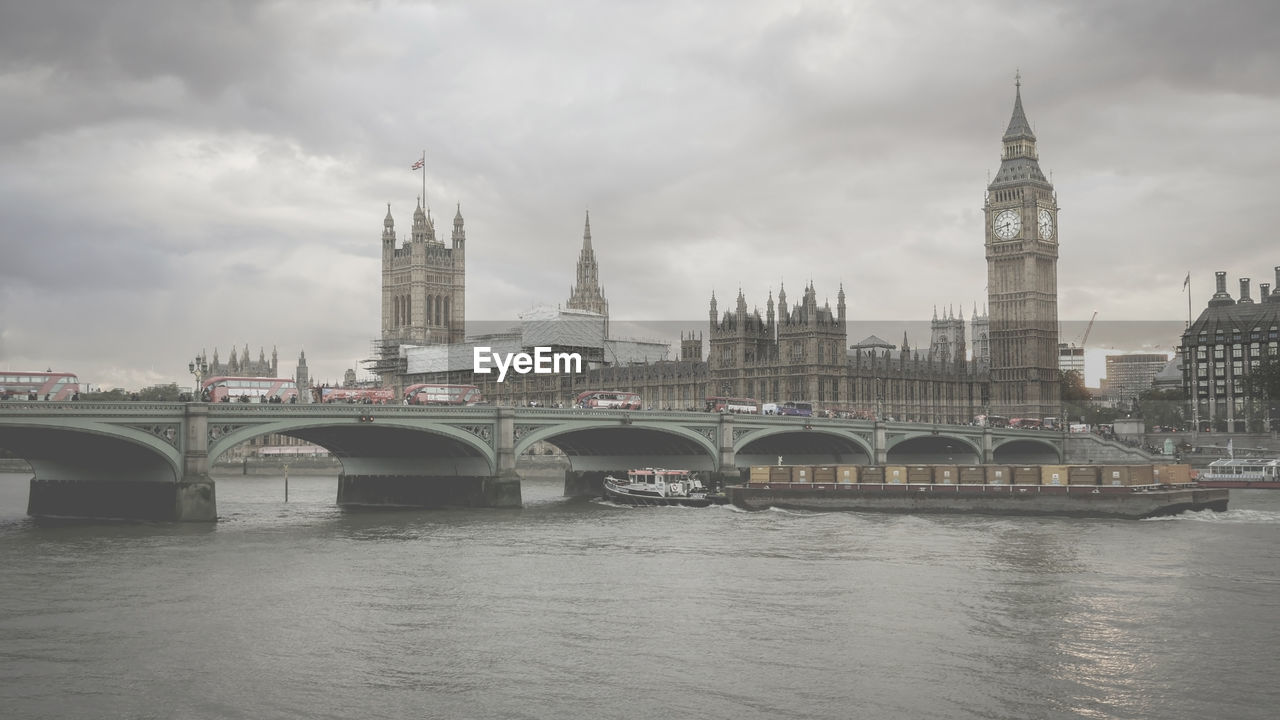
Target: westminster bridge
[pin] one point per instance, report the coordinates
(151, 460)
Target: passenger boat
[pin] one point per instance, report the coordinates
(656, 486)
(1241, 473)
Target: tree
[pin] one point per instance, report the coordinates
(160, 393)
(1073, 389)
(1161, 407)
(1075, 398)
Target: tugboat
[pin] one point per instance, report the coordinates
(656, 486)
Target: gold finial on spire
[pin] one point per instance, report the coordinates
(1017, 78)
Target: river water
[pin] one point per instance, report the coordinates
(575, 608)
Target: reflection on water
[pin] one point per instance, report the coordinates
(578, 608)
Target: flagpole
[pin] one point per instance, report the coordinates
(1193, 387)
(424, 185)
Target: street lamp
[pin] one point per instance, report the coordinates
(200, 368)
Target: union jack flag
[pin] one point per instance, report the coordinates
(417, 165)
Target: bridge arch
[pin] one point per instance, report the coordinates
(936, 448)
(817, 445)
(75, 449)
(385, 446)
(1025, 451)
(595, 444)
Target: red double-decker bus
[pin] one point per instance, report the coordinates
(732, 405)
(435, 394)
(15, 385)
(249, 389)
(609, 400)
(353, 396)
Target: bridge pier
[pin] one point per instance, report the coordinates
(879, 443)
(123, 500)
(426, 491)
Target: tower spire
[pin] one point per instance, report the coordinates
(587, 294)
(1018, 128)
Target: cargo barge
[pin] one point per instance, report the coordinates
(1120, 491)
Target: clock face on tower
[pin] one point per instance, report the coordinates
(1007, 224)
(1044, 223)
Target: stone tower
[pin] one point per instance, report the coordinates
(587, 294)
(1021, 212)
(423, 287)
(946, 337)
(690, 346)
(980, 339)
(302, 378)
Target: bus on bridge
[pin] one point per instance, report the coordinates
(747, 406)
(249, 389)
(49, 385)
(609, 400)
(437, 394)
(353, 396)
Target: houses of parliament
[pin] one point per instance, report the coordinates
(1000, 362)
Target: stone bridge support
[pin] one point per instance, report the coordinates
(880, 444)
(726, 458)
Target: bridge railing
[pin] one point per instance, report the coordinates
(27, 407)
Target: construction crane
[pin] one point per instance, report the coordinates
(1085, 338)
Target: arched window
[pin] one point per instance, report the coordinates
(428, 309)
(446, 312)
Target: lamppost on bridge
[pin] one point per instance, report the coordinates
(200, 368)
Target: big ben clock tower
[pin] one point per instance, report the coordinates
(1021, 211)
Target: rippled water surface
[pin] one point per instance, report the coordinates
(575, 608)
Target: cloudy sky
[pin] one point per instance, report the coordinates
(179, 176)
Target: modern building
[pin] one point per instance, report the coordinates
(1070, 359)
(1021, 212)
(1230, 338)
(1128, 376)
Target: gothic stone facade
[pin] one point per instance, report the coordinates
(423, 289)
(242, 366)
(1021, 212)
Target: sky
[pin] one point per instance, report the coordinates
(178, 177)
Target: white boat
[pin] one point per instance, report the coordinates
(1241, 473)
(657, 486)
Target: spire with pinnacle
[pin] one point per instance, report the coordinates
(1019, 128)
(1019, 163)
(587, 294)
